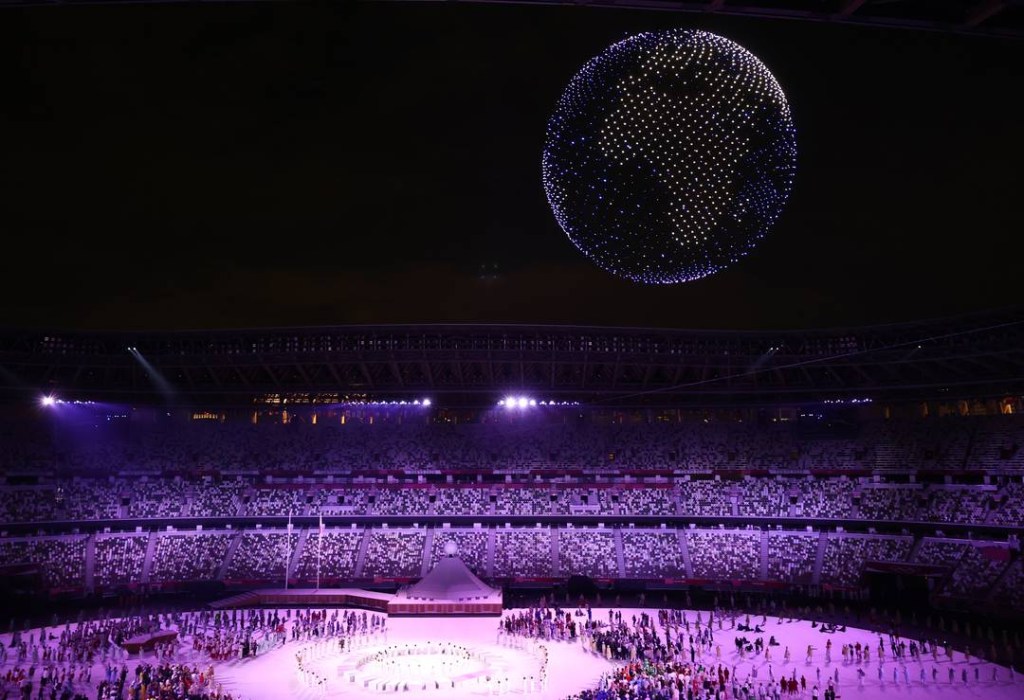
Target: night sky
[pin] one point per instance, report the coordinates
(241, 165)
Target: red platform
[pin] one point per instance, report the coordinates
(146, 642)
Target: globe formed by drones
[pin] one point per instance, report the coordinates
(669, 156)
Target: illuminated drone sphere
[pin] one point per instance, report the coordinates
(669, 156)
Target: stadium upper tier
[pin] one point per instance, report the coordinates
(978, 355)
(96, 441)
(860, 501)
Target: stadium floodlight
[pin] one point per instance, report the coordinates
(522, 402)
(510, 402)
(425, 402)
(47, 401)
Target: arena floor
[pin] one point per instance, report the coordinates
(275, 674)
(570, 669)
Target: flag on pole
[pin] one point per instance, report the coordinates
(995, 553)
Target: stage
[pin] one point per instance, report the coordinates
(308, 598)
(448, 589)
(393, 605)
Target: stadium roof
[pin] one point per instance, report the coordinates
(1000, 18)
(987, 17)
(459, 364)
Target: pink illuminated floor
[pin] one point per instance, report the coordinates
(570, 668)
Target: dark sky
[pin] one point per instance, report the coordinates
(213, 166)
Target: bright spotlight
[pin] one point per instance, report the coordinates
(47, 401)
(510, 402)
(426, 402)
(522, 402)
(533, 402)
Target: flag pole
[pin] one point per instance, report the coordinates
(319, 539)
(288, 548)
